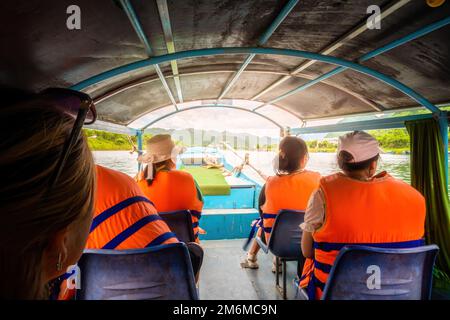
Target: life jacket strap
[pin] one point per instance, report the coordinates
(334, 246)
(128, 232)
(255, 226)
(108, 213)
(161, 239)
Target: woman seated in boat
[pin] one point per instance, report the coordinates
(355, 206)
(290, 188)
(169, 189)
(45, 216)
(121, 206)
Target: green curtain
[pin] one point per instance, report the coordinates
(428, 176)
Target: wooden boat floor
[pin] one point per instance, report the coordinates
(222, 277)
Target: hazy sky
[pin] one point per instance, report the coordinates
(222, 119)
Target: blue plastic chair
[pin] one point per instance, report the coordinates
(285, 243)
(405, 274)
(180, 223)
(158, 273)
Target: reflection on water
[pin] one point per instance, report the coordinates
(396, 165)
(119, 160)
(325, 163)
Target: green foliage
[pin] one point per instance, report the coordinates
(321, 146)
(102, 140)
(392, 138)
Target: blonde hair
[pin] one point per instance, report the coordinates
(32, 135)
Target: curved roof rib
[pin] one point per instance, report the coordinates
(42, 52)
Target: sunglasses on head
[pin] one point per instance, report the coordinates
(81, 107)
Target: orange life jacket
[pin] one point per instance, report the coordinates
(287, 192)
(384, 212)
(174, 190)
(123, 219)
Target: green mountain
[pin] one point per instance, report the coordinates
(391, 140)
(102, 140)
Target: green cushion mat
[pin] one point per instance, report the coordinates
(211, 181)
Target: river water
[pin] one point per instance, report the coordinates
(325, 163)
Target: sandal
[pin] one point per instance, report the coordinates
(274, 266)
(250, 262)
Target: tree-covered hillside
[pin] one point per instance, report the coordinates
(102, 140)
(391, 140)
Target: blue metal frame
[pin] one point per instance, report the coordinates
(211, 106)
(268, 51)
(343, 65)
(277, 21)
(261, 41)
(163, 10)
(443, 125)
(132, 16)
(392, 7)
(139, 135)
(394, 44)
(384, 123)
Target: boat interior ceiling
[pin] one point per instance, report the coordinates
(42, 52)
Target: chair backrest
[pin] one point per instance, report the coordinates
(370, 273)
(180, 222)
(158, 273)
(286, 235)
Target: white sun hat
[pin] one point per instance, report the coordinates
(361, 145)
(159, 148)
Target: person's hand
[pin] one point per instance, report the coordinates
(201, 231)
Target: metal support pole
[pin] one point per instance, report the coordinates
(443, 126)
(284, 280)
(392, 45)
(210, 106)
(139, 135)
(270, 51)
(163, 10)
(356, 31)
(383, 123)
(261, 41)
(132, 16)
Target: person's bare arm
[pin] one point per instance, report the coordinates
(314, 218)
(307, 245)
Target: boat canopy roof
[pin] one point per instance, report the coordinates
(39, 51)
